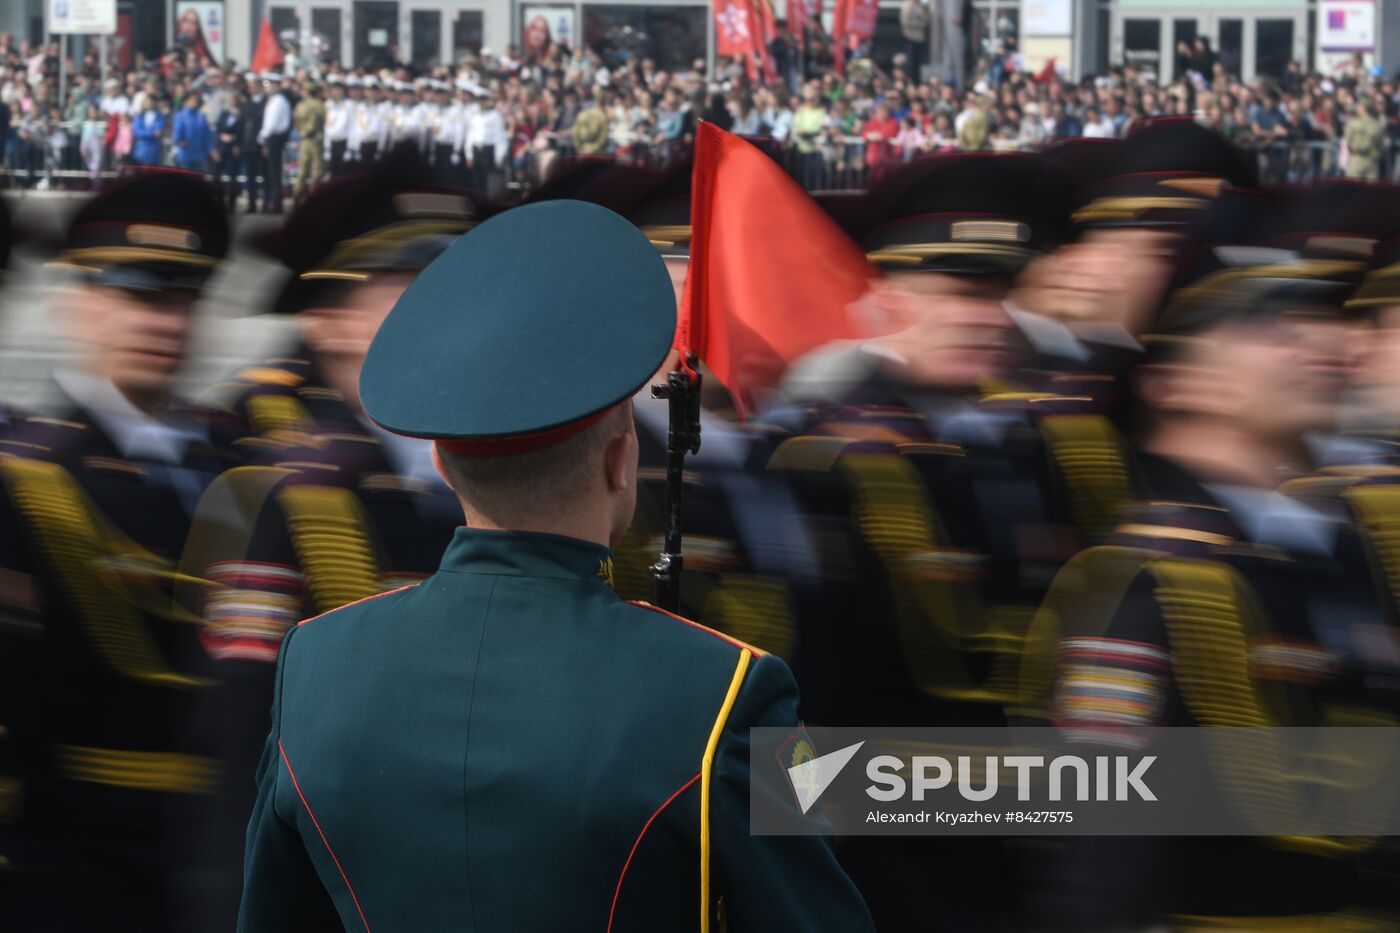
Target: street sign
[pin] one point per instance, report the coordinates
(82, 17)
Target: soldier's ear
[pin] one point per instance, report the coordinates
(620, 452)
(441, 467)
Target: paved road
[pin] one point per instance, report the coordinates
(229, 332)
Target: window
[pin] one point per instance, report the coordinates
(1183, 42)
(426, 35)
(466, 34)
(1273, 46)
(1142, 44)
(1231, 45)
(376, 33)
(996, 31)
(325, 34)
(673, 37)
(888, 40)
(285, 26)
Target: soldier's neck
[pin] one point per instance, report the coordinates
(1222, 453)
(594, 528)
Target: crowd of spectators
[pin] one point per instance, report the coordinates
(833, 129)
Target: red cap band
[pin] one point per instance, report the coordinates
(519, 443)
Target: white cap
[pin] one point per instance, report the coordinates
(271, 76)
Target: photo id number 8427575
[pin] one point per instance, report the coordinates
(1039, 816)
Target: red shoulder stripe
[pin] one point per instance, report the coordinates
(408, 586)
(756, 652)
(321, 832)
(617, 893)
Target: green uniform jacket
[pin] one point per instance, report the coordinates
(511, 746)
(309, 117)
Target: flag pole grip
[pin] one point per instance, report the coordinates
(682, 393)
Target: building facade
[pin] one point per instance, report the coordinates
(1254, 38)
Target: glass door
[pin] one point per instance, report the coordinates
(1229, 44)
(1184, 56)
(1273, 46)
(376, 32)
(1142, 45)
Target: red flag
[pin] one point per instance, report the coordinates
(734, 28)
(860, 20)
(771, 275)
(840, 25)
(797, 21)
(768, 30)
(268, 54)
(851, 24)
(1046, 74)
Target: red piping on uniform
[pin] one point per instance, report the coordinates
(640, 836)
(756, 652)
(339, 868)
(407, 586)
(519, 443)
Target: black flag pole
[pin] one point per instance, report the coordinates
(682, 393)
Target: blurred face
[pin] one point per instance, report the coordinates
(343, 333)
(1109, 276)
(1376, 368)
(137, 339)
(1273, 380)
(956, 333)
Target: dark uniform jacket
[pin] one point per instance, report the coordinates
(509, 745)
(100, 665)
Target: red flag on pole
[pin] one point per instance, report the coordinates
(840, 25)
(734, 28)
(771, 275)
(1046, 74)
(768, 30)
(861, 16)
(268, 54)
(797, 21)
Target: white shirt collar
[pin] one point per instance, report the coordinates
(136, 433)
(1269, 517)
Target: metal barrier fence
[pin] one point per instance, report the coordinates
(825, 164)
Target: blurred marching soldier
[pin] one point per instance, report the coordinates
(1222, 601)
(272, 137)
(7, 241)
(344, 509)
(230, 131)
(254, 160)
(309, 118)
(1083, 307)
(519, 621)
(926, 477)
(94, 510)
(1358, 466)
(741, 522)
(340, 113)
